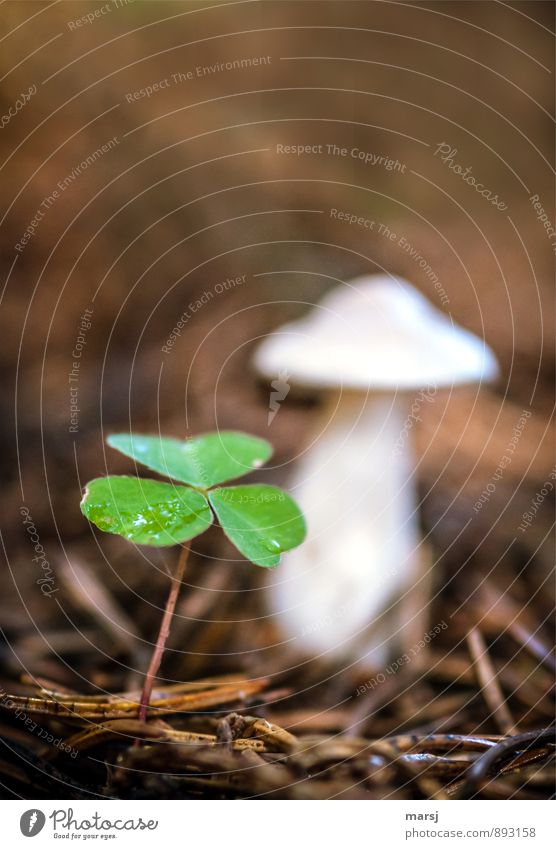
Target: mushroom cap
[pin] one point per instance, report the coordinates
(376, 332)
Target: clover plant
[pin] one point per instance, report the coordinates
(261, 521)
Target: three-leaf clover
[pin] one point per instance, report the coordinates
(262, 521)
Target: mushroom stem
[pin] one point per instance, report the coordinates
(341, 590)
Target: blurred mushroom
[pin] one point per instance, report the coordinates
(367, 344)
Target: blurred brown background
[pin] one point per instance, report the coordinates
(191, 192)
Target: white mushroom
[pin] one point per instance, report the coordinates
(367, 344)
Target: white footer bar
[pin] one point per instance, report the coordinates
(323, 824)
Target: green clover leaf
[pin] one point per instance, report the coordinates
(145, 511)
(262, 521)
(202, 461)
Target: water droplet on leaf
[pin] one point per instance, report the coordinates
(273, 546)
